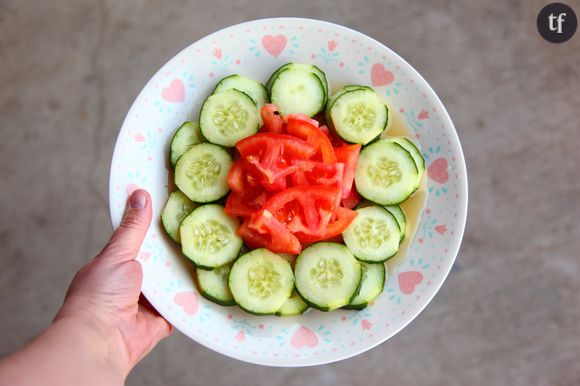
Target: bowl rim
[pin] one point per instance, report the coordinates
(455, 240)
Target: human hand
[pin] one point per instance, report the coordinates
(105, 293)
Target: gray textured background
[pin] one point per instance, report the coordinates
(509, 312)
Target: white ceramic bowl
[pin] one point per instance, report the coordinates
(256, 49)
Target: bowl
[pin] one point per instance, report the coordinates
(255, 49)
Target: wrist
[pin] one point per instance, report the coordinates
(99, 342)
(69, 352)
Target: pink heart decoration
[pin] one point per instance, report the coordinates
(381, 76)
(303, 337)
(437, 171)
(240, 336)
(274, 44)
(332, 45)
(424, 114)
(441, 228)
(366, 325)
(188, 301)
(409, 280)
(130, 189)
(175, 92)
(139, 137)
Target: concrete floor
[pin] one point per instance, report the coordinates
(507, 315)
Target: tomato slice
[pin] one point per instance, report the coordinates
(343, 219)
(271, 156)
(352, 200)
(347, 154)
(273, 121)
(277, 238)
(305, 209)
(244, 205)
(236, 176)
(301, 117)
(311, 173)
(268, 146)
(304, 127)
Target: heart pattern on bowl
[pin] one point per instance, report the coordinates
(175, 92)
(380, 76)
(409, 280)
(304, 337)
(437, 171)
(188, 301)
(274, 44)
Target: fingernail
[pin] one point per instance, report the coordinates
(138, 199)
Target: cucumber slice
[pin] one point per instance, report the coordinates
(177, 208)
(208, 237)
(293, 306)
(400, 217)
(327, 276)
(359, 116)
(374, 234)
(415, 153)
(253, 88)
(202, 172)
(302, 67)
(373, 283)
(228, 117)
(184, 138)
(385, 173)
(261, 281)
(332, 99)
(213, 285)
(295, 91)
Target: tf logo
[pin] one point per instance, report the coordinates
(557, 23)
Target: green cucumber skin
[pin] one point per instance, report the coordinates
(328, 309)
(374, 139)
(204, 267)
(278, 313)
(271, 95)
(216, 300)
(273, 77)
(357, 307)
(389, 203)
(403, 230)
(200, 137)
(310, 304)
(234, 75)
(217, 144)
(364, 305)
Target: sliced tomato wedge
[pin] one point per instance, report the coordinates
(312, 173)
(301, 117)
(277, 238)
(334, 138)
(236, 176)
(244, 205)
(305, 209)
(268, 146)
(343, 219)
(325, 131)
(303, 127)
(273, 121)
(352, 200)
(271, 156)
(347, 154)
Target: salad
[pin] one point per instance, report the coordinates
(287, 198)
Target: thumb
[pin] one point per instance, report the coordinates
(127, 239)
